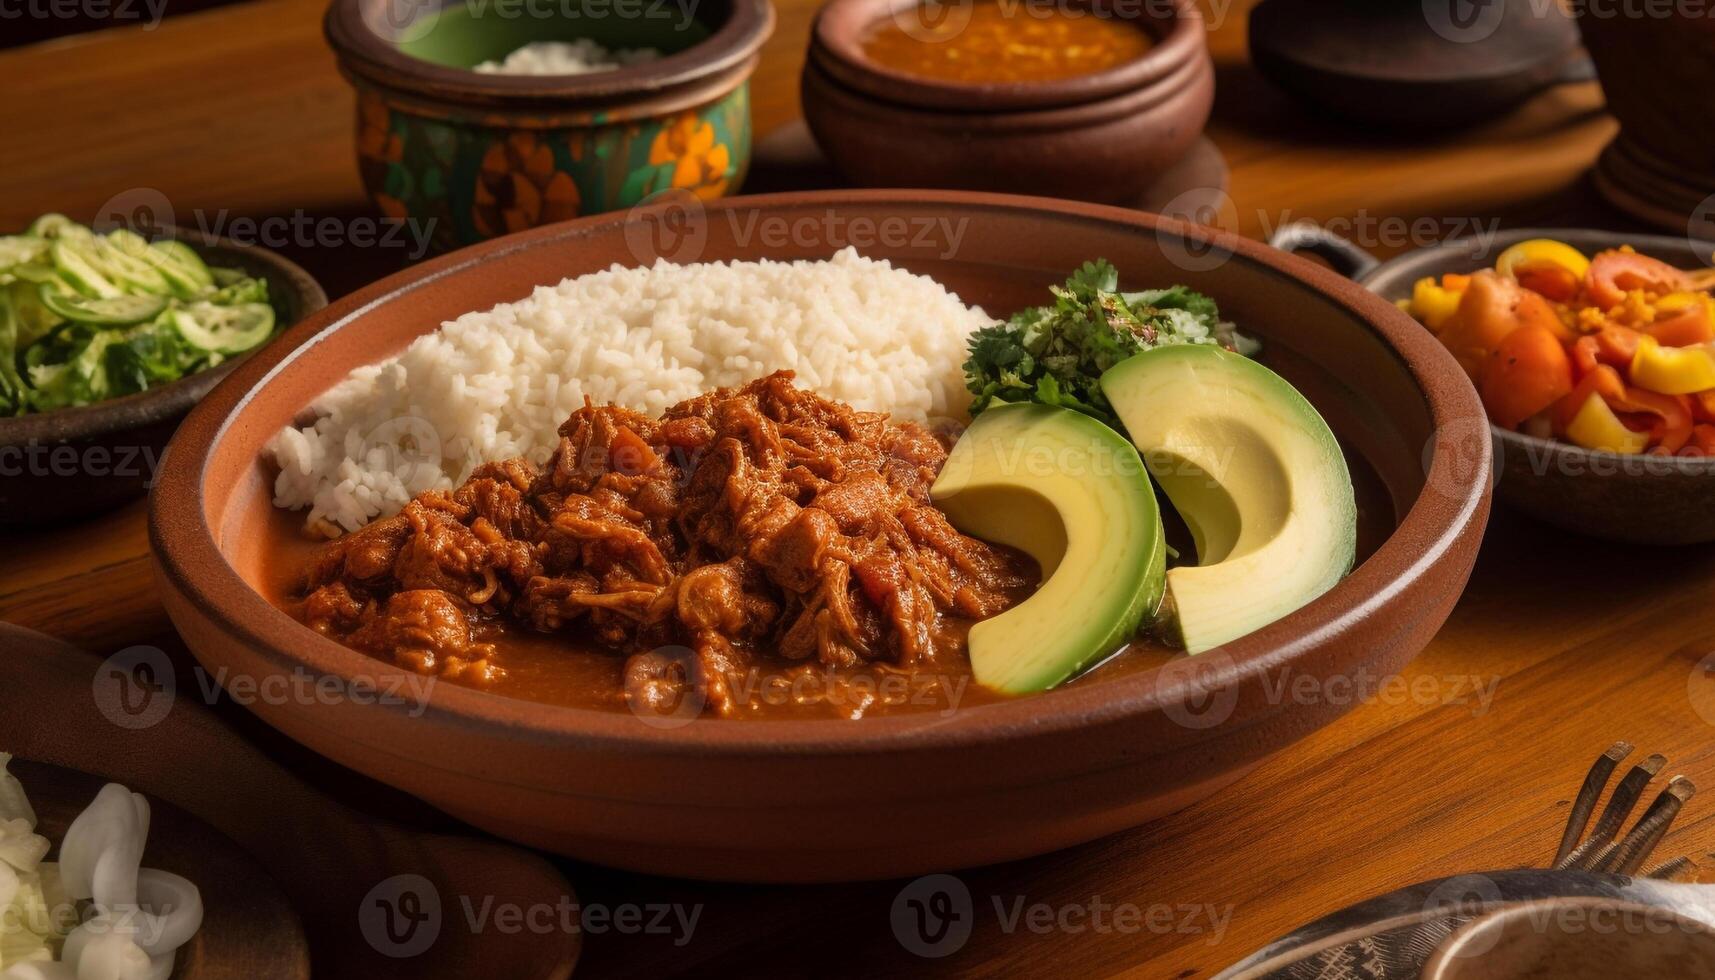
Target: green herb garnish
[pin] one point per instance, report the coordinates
(1055, 355)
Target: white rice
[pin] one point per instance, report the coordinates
(579, 57)
(498, 384)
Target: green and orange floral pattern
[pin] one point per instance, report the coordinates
(478, 180)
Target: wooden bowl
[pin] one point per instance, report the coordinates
(1628, 498)
(81, 461)
(1101, 137)
(468, 156)
(882, 797)
(289, 876)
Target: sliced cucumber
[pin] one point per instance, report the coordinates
(77, 270)
(245, 290)
(40, 272)
(19, 249)
(112, 311)
(224, 329)
(35, 320)
(134, 274)
(224, 277)
(53, 226)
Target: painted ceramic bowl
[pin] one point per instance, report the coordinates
(1100, 137)
(886, 796)
(1618, 497)
(75, 462)
(470, 155)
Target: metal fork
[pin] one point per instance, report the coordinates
(1394, 936)
(1604, 851)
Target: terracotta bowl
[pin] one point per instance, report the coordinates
(1102, 137)
(75, 462)
(469, 156)
(1627, 498)
(834, 800)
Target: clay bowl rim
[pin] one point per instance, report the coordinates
(1024, 120)
(836, 46)
(153, 406)
(379, 62)
(1452, 255)
(1451, 505)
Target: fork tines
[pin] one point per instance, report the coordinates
(1605, 850)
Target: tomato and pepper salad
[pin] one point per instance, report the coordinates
(1614, 352)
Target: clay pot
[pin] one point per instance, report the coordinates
(1100, 137)
(468, 156)
(1654, 62)
(828, 800)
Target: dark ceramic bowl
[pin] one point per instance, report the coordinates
(81, 461)
(886, 796)
(1629, 498)
(468, 156)
(1661, 166)
(1103, 137)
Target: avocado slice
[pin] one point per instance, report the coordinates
(1257, 476)
(1073, 494)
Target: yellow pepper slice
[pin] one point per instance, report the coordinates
(1539, 252)
(1597, 427)
(1673, 370)
(1432, 304)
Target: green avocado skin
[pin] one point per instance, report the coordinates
(1110, 573)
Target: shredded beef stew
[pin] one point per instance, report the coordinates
(754, 530)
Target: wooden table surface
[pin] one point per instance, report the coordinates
(1559, 647)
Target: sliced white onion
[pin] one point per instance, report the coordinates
(104, 949)
(22, 946)
(170, 913)
(8, 885)
(61, 910)
(24, 852)
(39, 970)
(105, 839)
(14, 805)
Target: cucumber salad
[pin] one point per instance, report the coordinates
(86, 317)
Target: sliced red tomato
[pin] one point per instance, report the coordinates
(1672, 428)
(1601, 380)
(1526, 374)
(1684, 328)
(1614, 274)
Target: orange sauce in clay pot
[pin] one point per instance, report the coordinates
(1003, 42)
